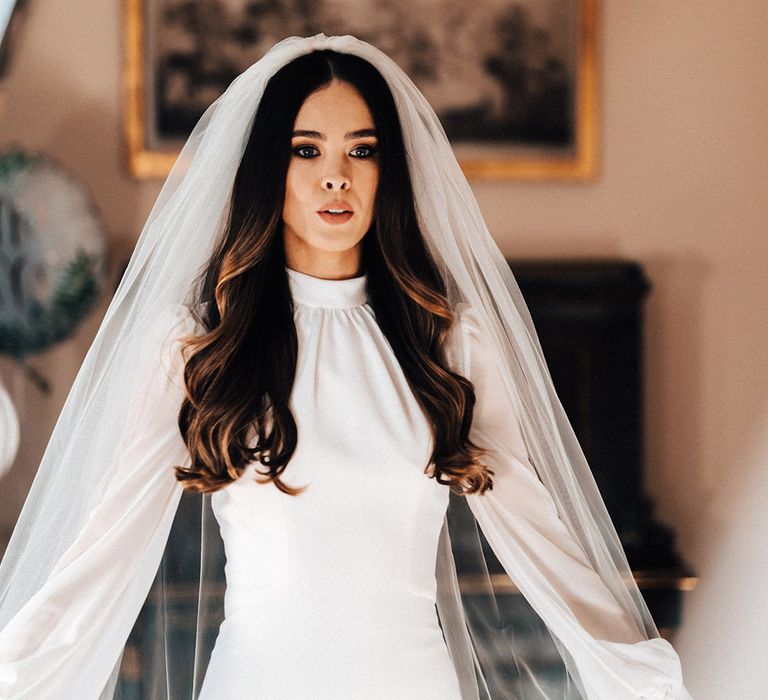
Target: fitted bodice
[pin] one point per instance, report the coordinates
(351, 558)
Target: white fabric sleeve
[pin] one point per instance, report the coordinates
(65, 641)
(520, 521)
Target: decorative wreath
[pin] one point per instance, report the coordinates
(53, 253)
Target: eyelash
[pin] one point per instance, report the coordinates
(372, 150)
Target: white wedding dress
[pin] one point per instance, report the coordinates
(330, 594)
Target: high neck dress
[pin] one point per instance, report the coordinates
(331, 593)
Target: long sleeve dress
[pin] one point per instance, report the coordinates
(329, 594)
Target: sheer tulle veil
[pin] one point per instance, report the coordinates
(177, 623)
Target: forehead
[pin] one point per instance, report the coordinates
(337, 106)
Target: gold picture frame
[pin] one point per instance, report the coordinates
(578, 163)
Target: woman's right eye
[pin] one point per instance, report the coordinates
(299, 151)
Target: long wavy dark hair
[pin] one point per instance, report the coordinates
(239, 373)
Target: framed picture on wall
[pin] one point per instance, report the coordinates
(514, 82)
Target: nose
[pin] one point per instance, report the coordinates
(336, 181)
(336, 177)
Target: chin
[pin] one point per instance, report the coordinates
(325, 241)
(335, 243)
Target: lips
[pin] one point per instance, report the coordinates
(341, 218)
(336, 208)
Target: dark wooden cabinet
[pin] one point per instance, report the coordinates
(589, 318)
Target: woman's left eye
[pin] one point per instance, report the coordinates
(370, 151)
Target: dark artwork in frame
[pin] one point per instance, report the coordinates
(512, 81)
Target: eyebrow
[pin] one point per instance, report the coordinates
(350, 135)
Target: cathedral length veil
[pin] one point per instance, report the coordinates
(177, 625)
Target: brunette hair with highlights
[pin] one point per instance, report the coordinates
(240, 371)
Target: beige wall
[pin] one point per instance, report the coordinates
(682, 189)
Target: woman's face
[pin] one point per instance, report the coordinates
(334, 165)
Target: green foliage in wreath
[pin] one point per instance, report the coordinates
(53, 253)
(73, 297)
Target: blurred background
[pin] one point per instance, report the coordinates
(678, 185)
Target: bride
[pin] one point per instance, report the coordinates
(317, 336)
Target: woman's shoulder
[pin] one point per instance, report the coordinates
(167, 330)
(467, 318)
(184, 314)
(179, 319)
(464, 337)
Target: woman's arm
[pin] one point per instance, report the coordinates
(520, 521)
(65, 641)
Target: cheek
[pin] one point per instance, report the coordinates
(371, 184)
(291, 207)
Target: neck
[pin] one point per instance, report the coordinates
(332, 265)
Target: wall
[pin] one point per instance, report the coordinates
(682, 189)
